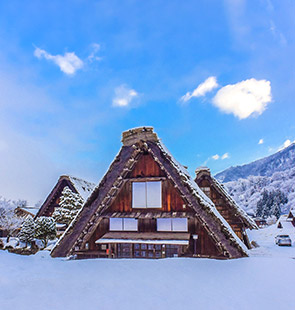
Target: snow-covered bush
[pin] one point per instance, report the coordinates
(70, 204)
(45, 229)
(27, 232)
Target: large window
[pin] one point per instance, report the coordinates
(146, 195)
(127, 224)
(172, 224)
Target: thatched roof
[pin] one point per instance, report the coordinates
(204, 172)
(144, 140)
(78, 186)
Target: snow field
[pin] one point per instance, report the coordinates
(40, 282)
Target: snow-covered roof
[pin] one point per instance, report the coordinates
(31, 209)
(84, 188)
(285, 223)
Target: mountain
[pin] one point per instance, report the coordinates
(246, 183)
(267, 166)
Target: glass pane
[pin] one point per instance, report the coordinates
(143, 246)
(138, 195)
(130, 224)
(164, 224)
(116, 223)
(179, 224)
(158, 254)
(154, 194)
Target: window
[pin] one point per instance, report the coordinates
(127, 224)
(206, 191)
(142, 250)
(172, 224)
(146, 195)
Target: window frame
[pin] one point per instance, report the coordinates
(172, 219)
(123, 219)
(158, 191)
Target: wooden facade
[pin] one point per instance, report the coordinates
(173, 206)
(144, 159)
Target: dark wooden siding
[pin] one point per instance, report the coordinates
(224, 209)
(147, 168)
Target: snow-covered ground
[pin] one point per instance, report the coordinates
(262, 281)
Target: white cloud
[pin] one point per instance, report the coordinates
(287, 143)
(222, 157)
(215, 157)
(69, 63)
(205, 87)
(245, 98)
(261, 141)
(225, 156)
(123, 96)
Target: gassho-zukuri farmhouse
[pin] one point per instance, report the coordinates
(148, 206)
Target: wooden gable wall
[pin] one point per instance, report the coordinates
(224, 209)
(147, 168)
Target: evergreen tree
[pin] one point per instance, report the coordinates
(45, 229)
(70, 204)
(27, 232)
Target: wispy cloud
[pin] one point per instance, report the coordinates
(93, 55)
(261, 141)
(225, 156)
(124, 96)
(245, 98)
(68, 63)
(222, 157)
(205, 87)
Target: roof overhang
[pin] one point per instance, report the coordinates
(147, 238)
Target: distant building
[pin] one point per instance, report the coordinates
(227, 207)
(76, 185)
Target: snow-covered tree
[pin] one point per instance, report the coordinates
(9, 221)
(270, 204)
(27, 232)
(45, 229)
(70, 204)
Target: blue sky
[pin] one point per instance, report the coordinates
(75, 74)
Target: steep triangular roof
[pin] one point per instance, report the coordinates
(246, 219)
(79, 186)
(135, 142)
